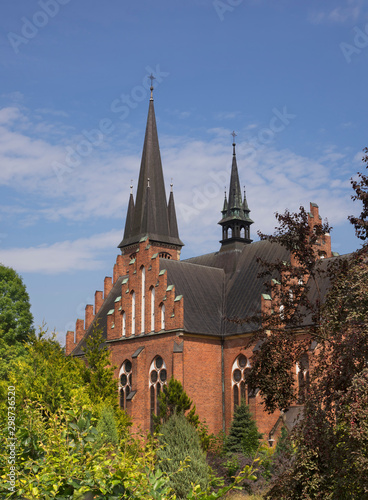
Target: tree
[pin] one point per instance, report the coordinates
(99, 374)
(15, 319)
(331, 459)
(181, 455)
(15, 315)
(290, 284)
(243, 436)
(360, 187)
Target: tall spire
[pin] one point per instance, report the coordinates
(151, 215)
(235, 220)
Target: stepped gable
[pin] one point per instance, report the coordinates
(101, 316)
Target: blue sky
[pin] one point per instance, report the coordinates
(289, 77)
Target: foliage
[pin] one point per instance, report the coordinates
(15, 315)
(106, 427)
(360, 187)
(45, 375)
(182, 450)
(290, 284)
(174, 400)
(16, 320)
(284, 445)
(334, 434)
(243, 435)
(99, 374)
(67, 461)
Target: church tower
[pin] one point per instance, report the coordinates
(151, 216)
(235, 220)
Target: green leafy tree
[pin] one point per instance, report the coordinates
(44, 375)
(16, 320)
(243, 435)
(15, 315)
(182, 457)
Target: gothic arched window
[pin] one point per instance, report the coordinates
(143, 297)
(133, 312)
(157, 381)
(302, 372)
(123, 324)
(241, 367)
(125, 382)
(152, 309)
(162, 307)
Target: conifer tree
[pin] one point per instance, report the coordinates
(243, 436)
(99, 375)
(106, 427)
(181, 456)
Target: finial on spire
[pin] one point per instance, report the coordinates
(131, 186)
(151, 77)
(171, 185)
(234, 135)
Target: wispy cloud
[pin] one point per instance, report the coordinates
(63, 256)
(350, 11)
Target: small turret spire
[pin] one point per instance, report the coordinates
(235, 220)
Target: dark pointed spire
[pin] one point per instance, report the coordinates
(235, 220)
(130, 215)
(235, 196)
(225, 207)
(173, 225)
(151, 217)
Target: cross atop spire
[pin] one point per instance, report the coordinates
(234, 144)
(151, 77)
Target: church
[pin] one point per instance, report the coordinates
(163, 317)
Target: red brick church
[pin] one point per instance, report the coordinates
(164, 317)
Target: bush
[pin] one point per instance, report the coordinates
(181, 456)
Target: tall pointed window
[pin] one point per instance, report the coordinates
(162, 316)
(125, 382)
(241, 367)
(302, 372)
(143, 298)
(152, 309)
(133, 313)
(157, 381)
(123, 324)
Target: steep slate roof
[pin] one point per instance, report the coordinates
(203, 291)
(243, 289)
(150, 216)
